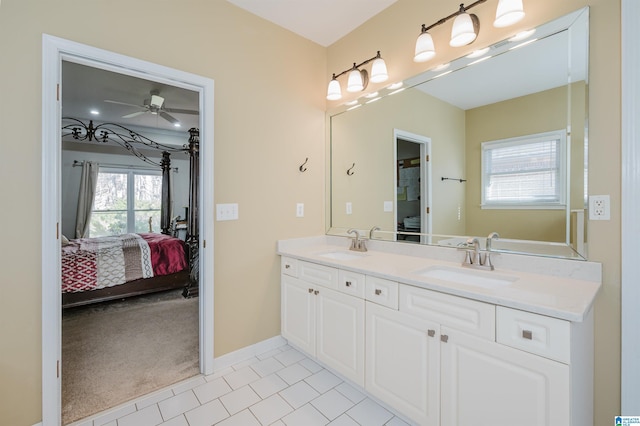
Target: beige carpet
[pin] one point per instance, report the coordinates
(117, 351)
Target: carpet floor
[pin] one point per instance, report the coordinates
(116, 351)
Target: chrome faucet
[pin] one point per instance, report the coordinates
(356, 243)
(474, 257)
(492, 236)
(372, 230)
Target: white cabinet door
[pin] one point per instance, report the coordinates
(486, 383)
(340, 333)
(298, 313)
(403, 363)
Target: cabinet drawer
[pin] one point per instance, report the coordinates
(538, 334)
(351, 283)
(476, 318)
(318, 274)
(381, 291)
(289, 266)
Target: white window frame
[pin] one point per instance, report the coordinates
(131, 172)
(561, 137)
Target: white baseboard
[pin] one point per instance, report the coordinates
(38, 424)
(247, 352)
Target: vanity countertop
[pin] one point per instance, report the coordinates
(556, 292)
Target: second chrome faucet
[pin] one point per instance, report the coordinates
(357, 244)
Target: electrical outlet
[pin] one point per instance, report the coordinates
(349, 208)
(599, 207)
(300, 210)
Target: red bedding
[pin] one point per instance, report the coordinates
(94, 263)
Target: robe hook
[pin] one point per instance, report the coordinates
(350, 170)
(302, 167)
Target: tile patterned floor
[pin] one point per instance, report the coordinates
(281, 387)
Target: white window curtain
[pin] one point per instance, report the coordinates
(88, 182)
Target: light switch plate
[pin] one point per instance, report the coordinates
(349, 208)
(388, 206)
(227, 211)
(300, 210)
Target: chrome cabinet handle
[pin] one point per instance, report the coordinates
(527, 334)
(310, 290)
(378, 292)
(287, 266)
(316, 292)
(431, 333)
(444, 338)
(348, 283)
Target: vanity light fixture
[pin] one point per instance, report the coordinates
(358, 78)
(466, 27)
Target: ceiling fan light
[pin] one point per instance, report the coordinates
(508, 13)
(157, 101)
(425, 48)
(334, 92)
(356, 81)
(464, 30)
(379, 71)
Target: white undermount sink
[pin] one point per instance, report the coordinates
(477, 278)
(342, 255)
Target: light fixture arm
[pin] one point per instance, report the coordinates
(355, 67)
(462, 9)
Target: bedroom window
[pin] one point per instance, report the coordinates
(527, 172)
(125, 201)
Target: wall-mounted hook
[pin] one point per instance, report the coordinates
(459, 180)
(302, 167)
(350, 170)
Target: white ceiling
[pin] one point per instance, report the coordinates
(321, 21)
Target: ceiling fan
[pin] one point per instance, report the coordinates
(154, 105)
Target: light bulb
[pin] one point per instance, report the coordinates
(508, 13)
(379, 71)
(355, 83)
(463, 31)
(333, 92)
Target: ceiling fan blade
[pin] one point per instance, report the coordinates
(134, 114)
(181, 111)
(169, 118)
(123, 103)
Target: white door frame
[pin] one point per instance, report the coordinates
(425, 177)
(54, 51)
(630, 205)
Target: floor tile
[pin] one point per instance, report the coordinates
(323, 380)
(207, 414)
(154, 398)
(239, 399)
(267, 366)
(278, 423)
(149, 416)
(212, 390)
(294, 373)
(176, 421)
(243, 418)
(344, 420)
(245, 363)
(188, 384)
(269, 353)
(332, 404)
(299, 394)
(350, 392)
(178, 404)
(396, 421)
(369, 413)
(113, 414)
(289, 357)
(306, 415)
(269, 385)
(310, 365)
(218, 374)
(271, 409)
(241, 377)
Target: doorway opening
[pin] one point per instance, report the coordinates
(55, 51)
(413, 186)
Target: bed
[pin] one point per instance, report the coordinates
(119, 266)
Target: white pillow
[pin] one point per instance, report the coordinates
(64, 241)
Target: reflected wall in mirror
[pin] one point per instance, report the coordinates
(518, 92)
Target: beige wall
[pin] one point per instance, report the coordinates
(365, 136)
(394, 31)
(526, 115)
(269, 116)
